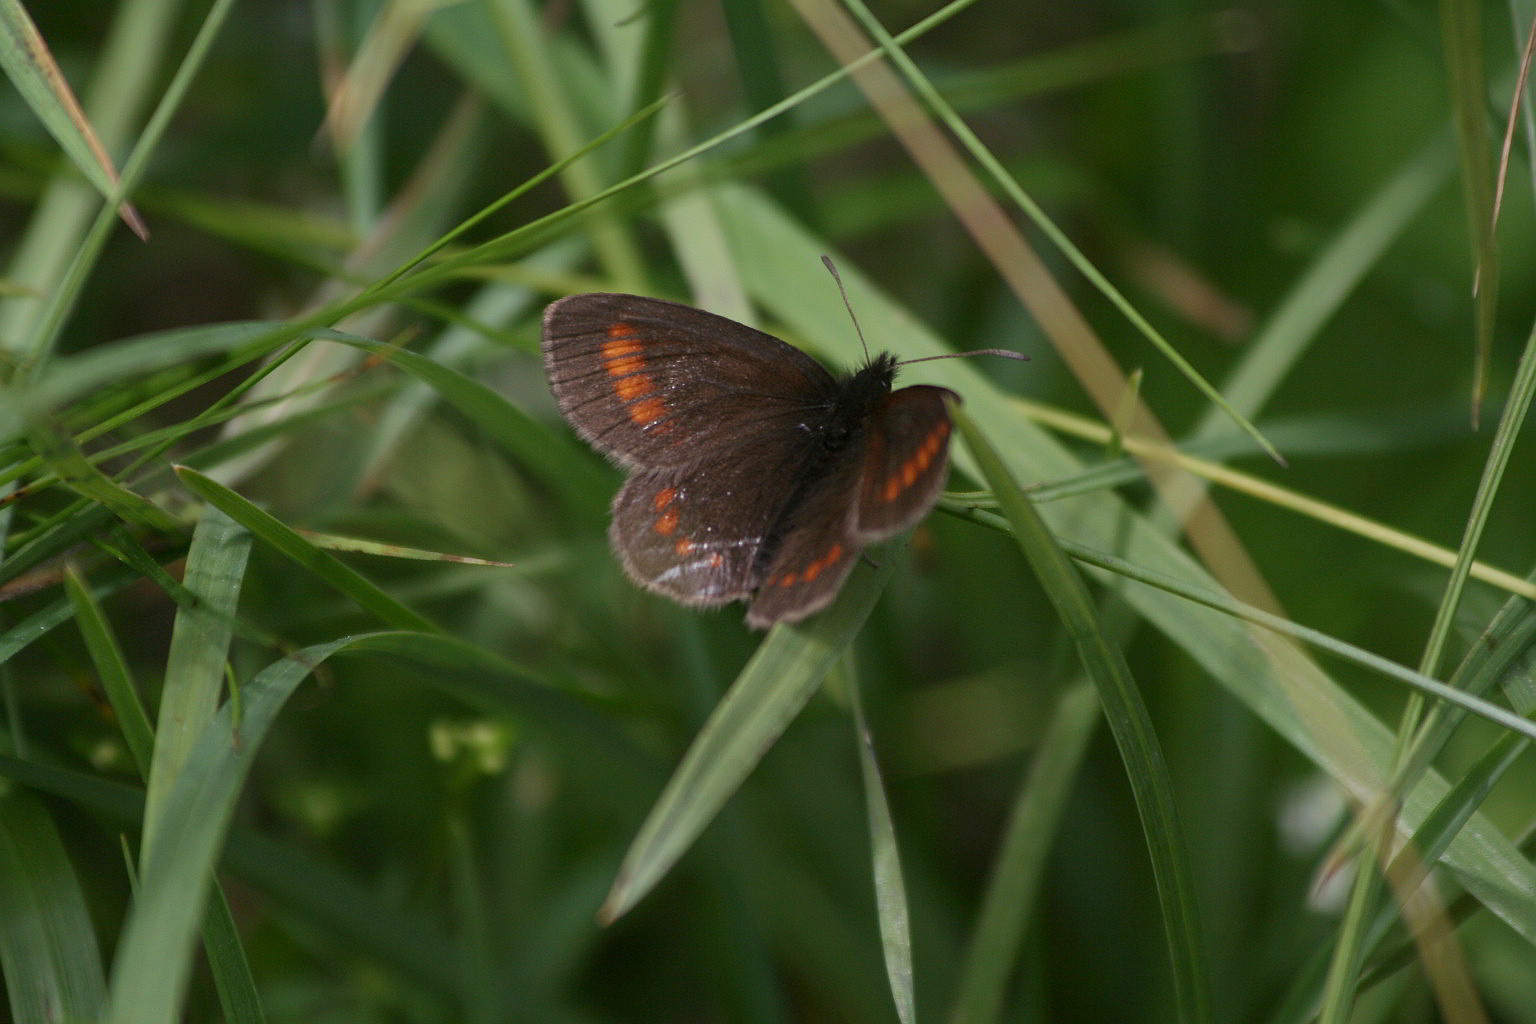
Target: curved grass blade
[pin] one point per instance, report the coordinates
(288, 541)
(1128, 721)
(769, 692)
(154, 957)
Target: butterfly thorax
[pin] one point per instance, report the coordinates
(856, 398)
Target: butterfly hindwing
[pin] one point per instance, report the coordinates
(813, 549)
(697, 534)
(644, 380)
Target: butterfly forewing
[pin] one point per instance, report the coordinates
(906, 453)
(643, 380)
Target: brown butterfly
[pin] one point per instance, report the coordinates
(755, 474)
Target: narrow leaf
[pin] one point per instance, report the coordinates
(31, 68)
(1128, 720)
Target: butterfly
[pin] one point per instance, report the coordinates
(754, 473)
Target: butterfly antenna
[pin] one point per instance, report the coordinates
(832, 269)
(1006, 353)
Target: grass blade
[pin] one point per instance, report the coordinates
(1128, 720)
(154, 957)
(1013, 890)
(112, 670)
(31, 68)
(194, 671)
(769, 692)
(48, 950)
(290, 542)
(890, 889)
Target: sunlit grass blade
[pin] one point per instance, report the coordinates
(195, 666)
(783, 673)
(1128, 721)
(362, 546)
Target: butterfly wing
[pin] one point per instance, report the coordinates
(883, 485)
(814, 549)
(657, 385)
(906, 453)
(697, 534)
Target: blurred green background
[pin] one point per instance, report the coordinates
(427, 832)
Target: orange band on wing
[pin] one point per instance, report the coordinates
(914, 467)
(624, 359)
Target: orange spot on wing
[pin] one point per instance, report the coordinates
(666, 523)
(634, 387)
(829, 558)
(648, 411)
(684, 547)
(664, 497)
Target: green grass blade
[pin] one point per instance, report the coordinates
(555, 458)
(31, 68)
(891, 903)
(1128, 721)
(112, 670)
(227, 962)
(77, 473)
(1013, 890)
(137, 69)
(48, 952)
(324, 565)
(772, 688)
(221, 939)
(1461, 25)
(195, 666)
(154, 957)
(72, 377)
